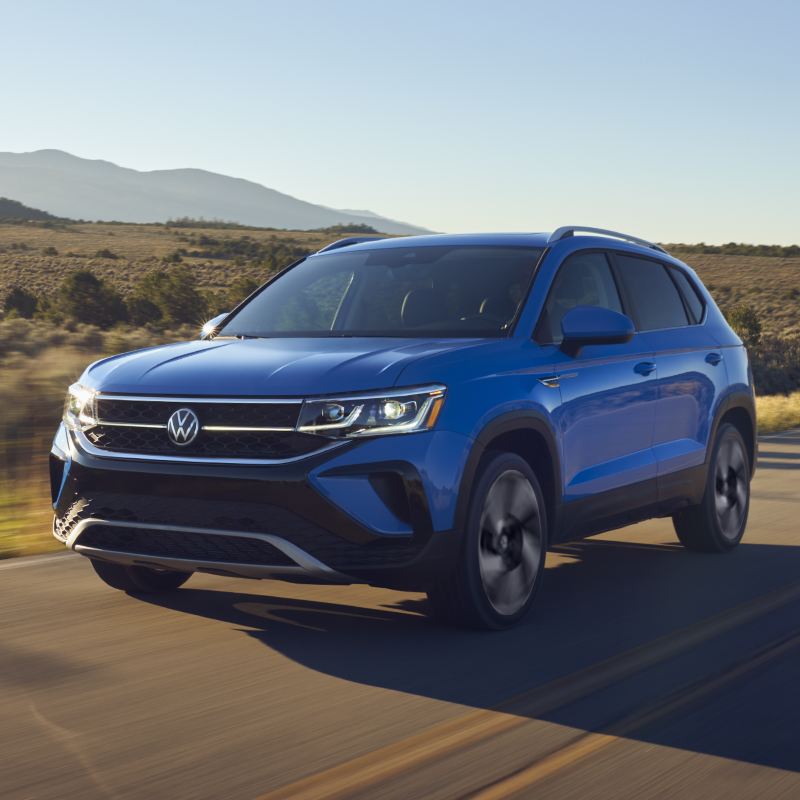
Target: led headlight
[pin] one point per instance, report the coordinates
(79, 408)
(396, 411)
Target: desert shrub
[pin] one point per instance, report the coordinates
(238, 291)
(86, 298)
(738, 249)
(106, 253)
(174, 294)
(776, 365)
(355, 227)
(242, 249)
(20, 302)
(142, 310)
(49, 251)
(743, 318)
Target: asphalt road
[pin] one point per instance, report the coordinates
(645, 671)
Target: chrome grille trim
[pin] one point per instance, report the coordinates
(218, 428)
(87, 447)
(146, 398)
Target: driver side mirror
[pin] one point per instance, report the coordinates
(585, 325)
(211, 327)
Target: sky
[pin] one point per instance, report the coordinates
(677, 121)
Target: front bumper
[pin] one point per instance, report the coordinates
(372, 511)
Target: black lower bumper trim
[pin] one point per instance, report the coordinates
(185, 545)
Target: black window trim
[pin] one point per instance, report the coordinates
(671, 270)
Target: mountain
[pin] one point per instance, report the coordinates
(81, 188)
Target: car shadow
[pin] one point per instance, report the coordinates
(600, 598)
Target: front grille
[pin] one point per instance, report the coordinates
(208, 444)
(121, 420)
(157, 412)
(186, 545)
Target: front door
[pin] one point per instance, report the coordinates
(607, 413)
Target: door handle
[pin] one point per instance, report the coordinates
(713, 359)
(645, 367)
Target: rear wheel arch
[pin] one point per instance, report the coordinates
(529, 435)
(740, 418)
(739, 410)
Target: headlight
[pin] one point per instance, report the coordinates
(400, 411)
(79, 408)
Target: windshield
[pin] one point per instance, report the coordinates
(400, 291)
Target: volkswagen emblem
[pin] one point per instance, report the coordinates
(183, 426)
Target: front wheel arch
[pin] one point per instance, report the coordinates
(528, 434)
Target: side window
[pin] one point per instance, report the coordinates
(690, 295)
(584, 279)
(655, 299)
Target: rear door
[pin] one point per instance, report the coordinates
(670, 313)
(608, 402)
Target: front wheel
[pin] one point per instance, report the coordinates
(503, 550)
(139, 580)
(717, 523)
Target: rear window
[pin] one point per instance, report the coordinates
(653, 295)
(690, 294)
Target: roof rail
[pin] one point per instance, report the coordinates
(571, 230)
(347, 242)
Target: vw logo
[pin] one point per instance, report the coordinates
(183, 426)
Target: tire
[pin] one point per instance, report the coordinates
(502, 555)
(718, 522)
(139, 580)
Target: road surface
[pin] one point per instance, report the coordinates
(644, 671)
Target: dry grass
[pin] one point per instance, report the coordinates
(778, 412)
(770, 284)
(140, 249)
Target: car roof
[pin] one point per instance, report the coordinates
(453, 239)
(542, 240)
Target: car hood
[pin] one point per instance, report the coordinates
(264, 367)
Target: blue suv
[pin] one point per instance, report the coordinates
(428, 413)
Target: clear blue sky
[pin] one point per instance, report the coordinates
(676, 120)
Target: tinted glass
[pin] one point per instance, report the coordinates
(584, 279)
(689, 294)
(656, 302)
(399, 291)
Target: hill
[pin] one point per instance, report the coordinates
(81, 188)
(14, 211)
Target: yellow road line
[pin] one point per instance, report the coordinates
(590, 743)
(441, 739)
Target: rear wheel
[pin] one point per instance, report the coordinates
(139, 580)
(503, 550)
(718, 523)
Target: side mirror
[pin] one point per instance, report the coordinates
(210, 327)
(584, 325)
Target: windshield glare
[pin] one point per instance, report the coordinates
(437, 291)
